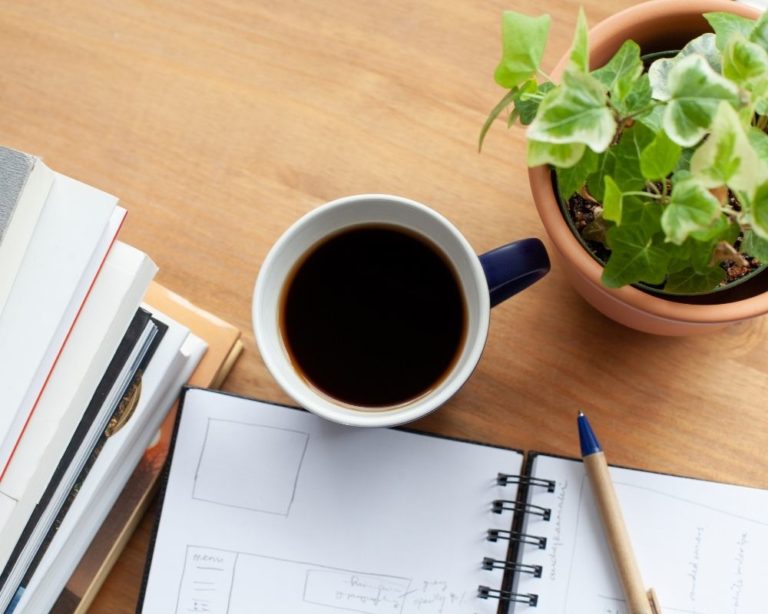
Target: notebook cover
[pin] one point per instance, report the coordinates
(224, 347)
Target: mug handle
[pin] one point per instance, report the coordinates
(513, 267)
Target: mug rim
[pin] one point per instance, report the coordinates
(277, 360)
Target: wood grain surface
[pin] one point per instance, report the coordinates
(219, 123)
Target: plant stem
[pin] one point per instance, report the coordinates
(643, 193)
(533, 96)
(643, 110)
(544, 74)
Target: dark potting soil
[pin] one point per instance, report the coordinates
(584, 213)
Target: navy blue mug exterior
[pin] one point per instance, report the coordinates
(513, 267)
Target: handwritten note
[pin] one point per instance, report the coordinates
(272, 509)
(207, 580)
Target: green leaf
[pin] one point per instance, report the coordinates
(759, 32)
(746, 63)
(727, 156)
(571, 180)
(726, 25)
(695, 95)
(690, 281)
(620, 75)
(759, 141)
(755, 246)
(691, 254)
(622, 161)
(759, 211)
(575, 112)
(500, 106)
(637, 102)
(691, 208)
(528, 100)
(683, 164)
(635, 256)
(682, 174)
(523, 39)
(695, 254)
(645, 212)
(612, 201)
(580, 46)
(703, 46)
(723, 229)
(680, 257)
(653, 118)
(559, 155)
(660, 157)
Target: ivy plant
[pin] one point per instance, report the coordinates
(674, 155)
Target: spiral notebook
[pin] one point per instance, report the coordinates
(268, 508)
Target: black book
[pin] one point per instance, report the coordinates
(111, 403)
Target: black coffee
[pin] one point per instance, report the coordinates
(373, 316)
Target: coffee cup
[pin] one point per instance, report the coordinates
(373, 310)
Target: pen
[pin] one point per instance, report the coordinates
(639, 601)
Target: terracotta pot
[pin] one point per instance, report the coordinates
(656, 26)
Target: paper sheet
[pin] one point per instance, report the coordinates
(272, 509)
(702, 546)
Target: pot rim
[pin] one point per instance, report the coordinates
(557, 227)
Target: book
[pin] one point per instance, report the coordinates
(105, 318)
(94, 339)
(122, 374)
(24, 185)
(76, 229)
(224, 347)
(270, 508)
(174, 360)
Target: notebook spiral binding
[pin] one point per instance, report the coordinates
(503, 479)
(516, 538)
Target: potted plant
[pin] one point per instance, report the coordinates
(651, 174)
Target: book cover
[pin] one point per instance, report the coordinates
(24, 185)
(105, 317)
(224, 347)
(130, 360)
(70, 243)
(171, 367)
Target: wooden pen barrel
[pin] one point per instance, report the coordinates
(616, 534)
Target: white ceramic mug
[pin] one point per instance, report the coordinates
(484, 281)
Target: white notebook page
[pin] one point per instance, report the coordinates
(271, 509)
(702, 546)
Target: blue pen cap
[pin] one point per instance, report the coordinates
(587, 439)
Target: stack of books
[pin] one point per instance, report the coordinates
(93, 355)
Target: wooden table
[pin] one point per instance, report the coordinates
(220, 123)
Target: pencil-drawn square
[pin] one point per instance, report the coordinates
(228, 474)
